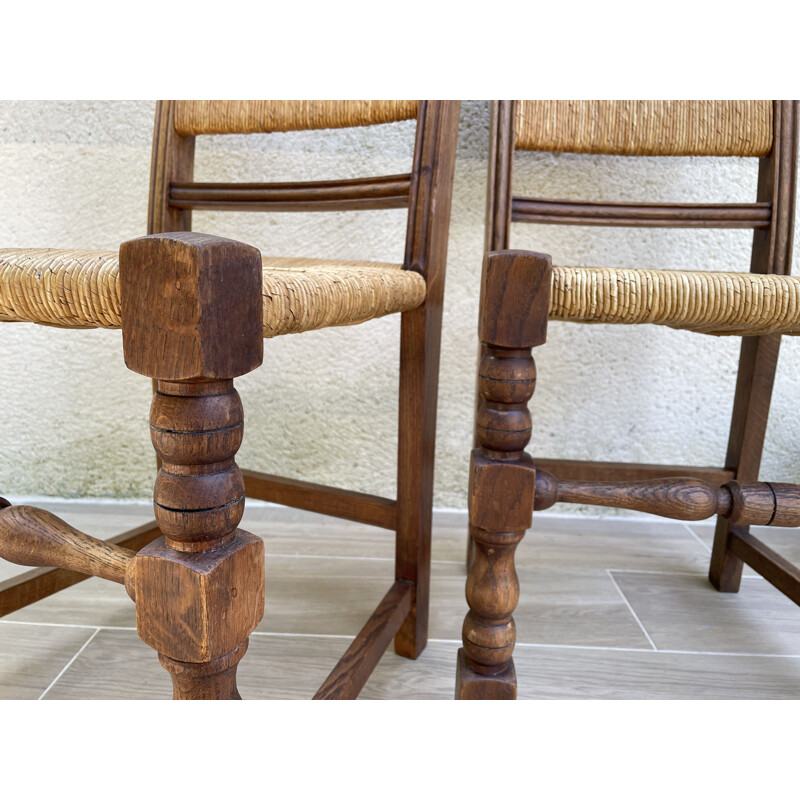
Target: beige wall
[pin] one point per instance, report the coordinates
(323, 406)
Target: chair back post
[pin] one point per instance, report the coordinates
(420, 337)
(497, 230)
(777, 182)
(172, 161)
(501, 162)
(758, 359)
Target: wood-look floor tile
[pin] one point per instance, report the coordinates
(574, 607)
(556, 606)
(118, 666)
(567, 598)
(31, 656)
(92, 602)
(560, 674)
(304, 533)
(323, 595)
(684, 612)
(641, 543)
(785, 541)
(337, 595)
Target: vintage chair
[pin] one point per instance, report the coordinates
(193, 310)
(520, 290)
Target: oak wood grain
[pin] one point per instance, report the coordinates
(35, 538)
(354, 668)
(330, 500)
(36, 584)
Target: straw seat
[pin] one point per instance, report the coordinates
(716, 303)
(80, 289)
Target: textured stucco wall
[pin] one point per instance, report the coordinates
(323, 406)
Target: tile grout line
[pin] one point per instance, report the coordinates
(630, 608)
(632, 649)
(548, 645)
(306, 635)
(351, 558)
(68, 625)
(69, 663)
(645, 650)
(673, 572)
(695, 536)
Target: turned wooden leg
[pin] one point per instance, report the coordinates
(515, 303)
(213, 680)
(191, 314)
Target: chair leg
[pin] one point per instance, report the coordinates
(501, 489)
(757, 365)
(192, 321)
(419, 375)
(515, 303)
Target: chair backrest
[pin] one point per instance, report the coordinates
(646, 127)
(193, 117)
(749, 128)
(426, 190)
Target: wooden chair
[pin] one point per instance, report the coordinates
(194, 339)
(520, 291)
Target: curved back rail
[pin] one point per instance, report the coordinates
(173, 193)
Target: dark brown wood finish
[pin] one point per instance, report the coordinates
(420, 336)
(497, 222)
(641, 215)
(172, 162)
(758, 360)
(513, 319)
(621, 471)
(501, 165)
(386, 191)
(782, 574)
(352, 671)
(368, 509)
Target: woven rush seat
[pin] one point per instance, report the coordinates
(80, 289)
(716, 303)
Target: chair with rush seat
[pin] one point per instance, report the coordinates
(194, 339)
(520, 291)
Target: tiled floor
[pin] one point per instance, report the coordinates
(613, 608)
